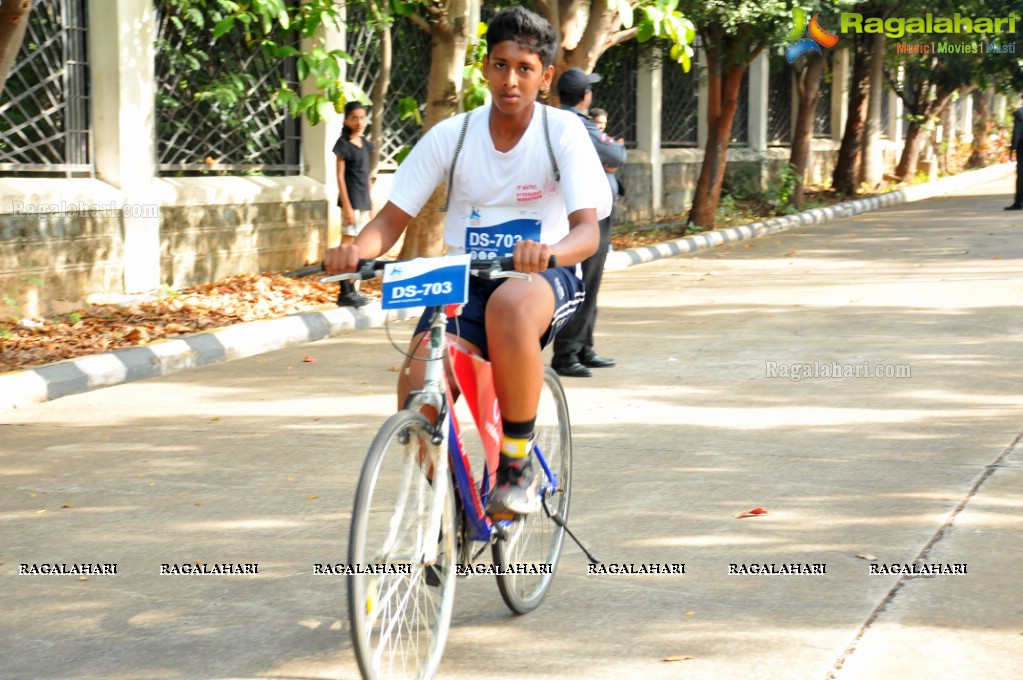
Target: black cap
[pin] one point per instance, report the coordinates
(574, 82)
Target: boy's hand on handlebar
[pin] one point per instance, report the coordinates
(531, 257)
(341, 259)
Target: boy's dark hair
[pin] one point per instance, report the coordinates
(525, 28)
(353, 105)
(594, 112)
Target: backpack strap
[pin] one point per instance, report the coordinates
(458, 150)
(461, 141)
(550, 149)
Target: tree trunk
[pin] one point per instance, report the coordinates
(808, 85)
(449, 34)
(378, 97)
(871, 168)
(981, 128)
(593, 40)
(915, 136)
(910, 152)
(850, 154)
(579, 46)
(13, 22)
(723, 94)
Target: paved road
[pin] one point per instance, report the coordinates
(255, 461)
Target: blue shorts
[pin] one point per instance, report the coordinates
(568, 294)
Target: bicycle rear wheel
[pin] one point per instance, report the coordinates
(533, 542)
(400, 620)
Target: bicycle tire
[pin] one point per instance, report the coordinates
(535, 539)
(399, 622)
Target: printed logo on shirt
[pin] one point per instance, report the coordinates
(474, 216)
(528, 193)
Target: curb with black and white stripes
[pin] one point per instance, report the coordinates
(718, 237)
(19, 389)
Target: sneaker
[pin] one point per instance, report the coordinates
(353, 298)
(515, 492)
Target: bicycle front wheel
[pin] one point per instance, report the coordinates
(399, 599)
(528, 554)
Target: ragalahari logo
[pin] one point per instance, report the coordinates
(819, 37)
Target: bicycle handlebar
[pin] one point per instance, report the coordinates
(368, 269)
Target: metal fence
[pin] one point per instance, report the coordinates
(740, 124)
(822, 119)
(410, 71)
(616, 91)
(779, 101)
(44, 118)
(201, 123)
(679, 104)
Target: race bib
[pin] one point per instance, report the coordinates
(425, 282)
(493, 232)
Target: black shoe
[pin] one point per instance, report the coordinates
(515, 490)
(349, 297)
(572, 370)
(353, 298)
(597, 361)
(1014, 206)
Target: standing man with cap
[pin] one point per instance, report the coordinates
(573, 345)
(1017, 146)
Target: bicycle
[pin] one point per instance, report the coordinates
(419, 518)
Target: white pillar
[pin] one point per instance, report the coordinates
(873, 166)
(121, 61)
(839, 92)
(950, 121)
(649, 90)
(966, 118)
(758, 103)
(999, 108)
(895, 113)
(318, 160)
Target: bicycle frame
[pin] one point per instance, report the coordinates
(475, 383)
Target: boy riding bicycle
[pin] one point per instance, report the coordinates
(527, 183)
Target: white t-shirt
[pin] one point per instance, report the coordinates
(499, 198)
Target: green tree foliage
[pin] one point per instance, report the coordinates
(283, 30)
(733, 32)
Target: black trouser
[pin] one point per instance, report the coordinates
(575, 340)
(1019, 178)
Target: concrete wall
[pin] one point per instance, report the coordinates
(68, 242)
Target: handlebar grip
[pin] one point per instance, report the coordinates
(508, 263)
(306, 271)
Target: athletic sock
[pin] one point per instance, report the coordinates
(517, 440)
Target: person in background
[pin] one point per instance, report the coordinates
(353, 183)
(528, 184)
(1016, 146)
(599, 117)
(573, 346)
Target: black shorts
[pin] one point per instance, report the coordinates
(568, 293)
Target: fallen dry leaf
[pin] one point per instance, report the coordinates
(681, 657)
(311, 497)
(309, 360)
(867, 556)
(100, 328)
(752, 513)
